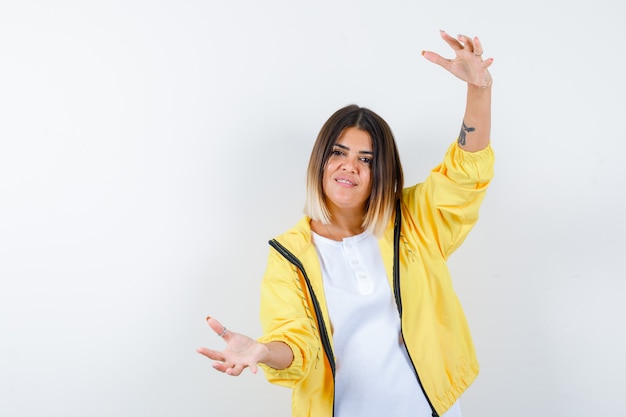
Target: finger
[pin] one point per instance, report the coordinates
(236, 370)
(437, 59)
(487, 63)
(253, 368)
(478, 48)
(214, 324)
(217, 327)
(221, 367)
(467, 42)
(211, 354)
(455, 44)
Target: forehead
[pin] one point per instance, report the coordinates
(355, 139)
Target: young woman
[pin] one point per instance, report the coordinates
(357, 306)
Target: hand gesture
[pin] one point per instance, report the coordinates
(241, 351)
(468, 64)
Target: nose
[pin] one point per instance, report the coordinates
(349, 165)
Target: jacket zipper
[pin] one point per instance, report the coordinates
(398, 297)
(316, 306)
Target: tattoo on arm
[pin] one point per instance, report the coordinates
(464, 131)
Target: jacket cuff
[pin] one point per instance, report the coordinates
(294, 369)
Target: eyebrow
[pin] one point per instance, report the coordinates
(347, 149)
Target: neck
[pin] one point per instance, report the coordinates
(339, 228)
(351, 225)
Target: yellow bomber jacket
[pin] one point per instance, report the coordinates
(437, 215)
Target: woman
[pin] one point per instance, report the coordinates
(357, 306)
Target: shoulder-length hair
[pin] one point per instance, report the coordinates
(386, 174)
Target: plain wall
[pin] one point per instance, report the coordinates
(149, 150)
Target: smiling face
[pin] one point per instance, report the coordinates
(347, 181)
(370, 189)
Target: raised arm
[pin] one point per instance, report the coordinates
(469, 66)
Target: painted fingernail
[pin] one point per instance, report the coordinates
(207, 318)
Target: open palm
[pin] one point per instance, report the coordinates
(240, 353)
(467, 64)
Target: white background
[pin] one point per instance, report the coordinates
(149, 149)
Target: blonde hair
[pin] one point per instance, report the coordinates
(387, 176)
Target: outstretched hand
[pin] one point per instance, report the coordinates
(467, 64)
(241, 351)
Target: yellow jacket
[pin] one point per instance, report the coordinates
(436, 217)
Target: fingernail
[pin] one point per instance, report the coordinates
(207, 318)
(423, 52)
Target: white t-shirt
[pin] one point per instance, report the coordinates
(374, 376)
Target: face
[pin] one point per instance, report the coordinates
(347, 176)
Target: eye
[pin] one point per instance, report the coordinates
(366, 160)
(337, 152)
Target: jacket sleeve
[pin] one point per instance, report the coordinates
(286, 317)
(445, 206)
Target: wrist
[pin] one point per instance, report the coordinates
(267, 353)
(485, 85)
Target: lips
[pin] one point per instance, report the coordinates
(345, 181)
